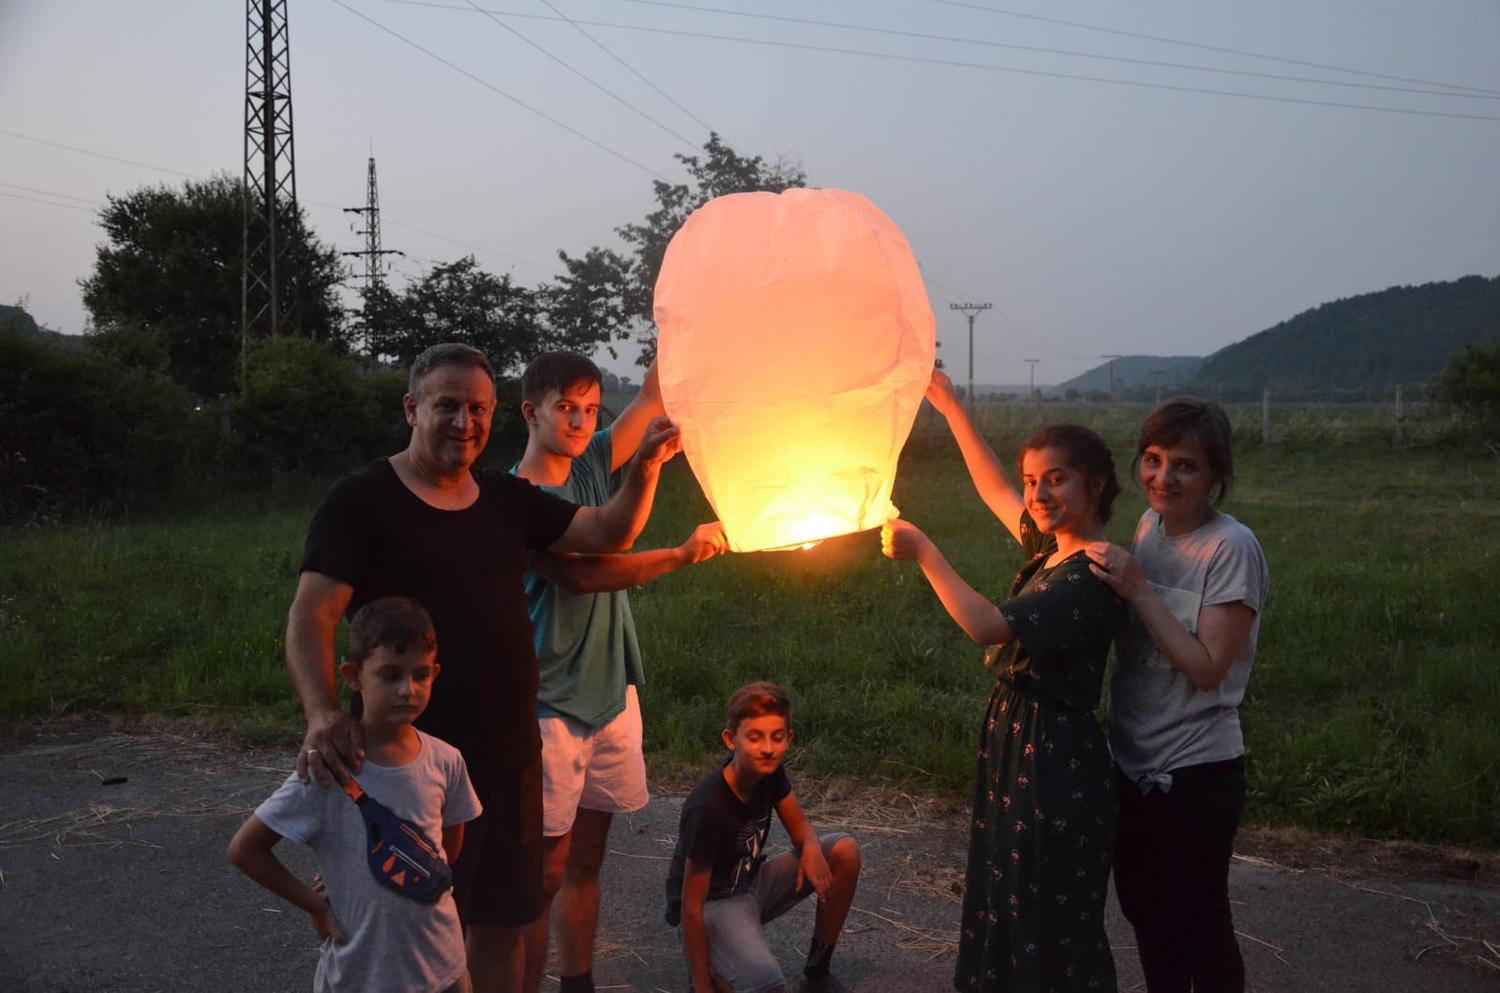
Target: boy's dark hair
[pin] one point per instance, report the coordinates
(756, 700)
(1180, 417)
(560, 371)
(447, 353)
(394, 622)
(1085, 451)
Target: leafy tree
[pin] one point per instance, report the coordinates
(1471, 386)
(611, 294)
(461, 302)
(165, 291)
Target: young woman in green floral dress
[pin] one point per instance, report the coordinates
(1043, 829)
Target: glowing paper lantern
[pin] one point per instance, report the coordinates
(794, 344)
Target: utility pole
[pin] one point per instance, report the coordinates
(971, 310)
(1033, 363)
(1112, 394)
(372, 251)
(267, 298)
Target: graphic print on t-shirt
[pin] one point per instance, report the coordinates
(750, 841)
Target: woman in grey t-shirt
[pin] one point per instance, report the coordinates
(1196, 584)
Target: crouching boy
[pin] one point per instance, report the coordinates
(721, 888)
(394, 933)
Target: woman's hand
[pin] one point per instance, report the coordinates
(1117, 568)
(940, 393)
(902, 541)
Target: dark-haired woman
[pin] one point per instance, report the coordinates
(1196, 586)
(1042, 835)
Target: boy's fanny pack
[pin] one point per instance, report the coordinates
(401, 857)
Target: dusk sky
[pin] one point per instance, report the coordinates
(1104, 205)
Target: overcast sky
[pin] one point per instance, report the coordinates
(1099, 215)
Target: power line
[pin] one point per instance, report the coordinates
(987, 43)
(312, 203)
(990, 67)
(582, 75)
(53, 193)
(49, 203)
(663, 93)
(497, 90)
(1213, 48)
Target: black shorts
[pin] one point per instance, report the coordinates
(498, 877)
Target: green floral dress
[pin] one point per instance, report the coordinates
(1043, 832)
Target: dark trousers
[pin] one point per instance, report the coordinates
(1172, 876)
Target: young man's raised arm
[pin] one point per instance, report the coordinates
(627, 430)
(615, 526)
(331, 734)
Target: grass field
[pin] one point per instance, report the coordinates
(1374, 707)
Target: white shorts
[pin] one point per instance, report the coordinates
(592, 768)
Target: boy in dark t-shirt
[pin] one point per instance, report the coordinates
(721, 888)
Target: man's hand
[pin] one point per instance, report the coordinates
(902, 541)
(1117, 568)
(659, 444)
(706, 541)
(940, 393)
(326, 925)
(333, 749)
(813, 867)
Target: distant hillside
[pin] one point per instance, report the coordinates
(1133, 373)
(16, 317)
(1362, 345)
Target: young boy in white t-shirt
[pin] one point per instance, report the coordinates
(375, 937)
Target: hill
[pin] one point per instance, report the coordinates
(1360, 346)
(1133, 373)
(17, 318)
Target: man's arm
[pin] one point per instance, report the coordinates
(810, 862)
(580, 574)
(615, 526)
(695, 881)
(332, 736)
(626, 432)
(453, 841)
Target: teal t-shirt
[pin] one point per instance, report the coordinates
(586, 649)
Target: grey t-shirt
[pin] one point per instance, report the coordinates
(395, 943)
(1158, 721)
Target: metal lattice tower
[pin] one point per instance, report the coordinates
(374, 276)
(267, 296)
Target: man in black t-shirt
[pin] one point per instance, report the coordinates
(422, 524)
(721, 889)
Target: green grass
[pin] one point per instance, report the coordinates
(1374, 706)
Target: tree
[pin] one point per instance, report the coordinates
(461, 302)
(165, 291)
(1471, 386)
(610, 294)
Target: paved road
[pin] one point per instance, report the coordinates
(123, 886)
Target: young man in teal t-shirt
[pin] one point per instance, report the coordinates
(588, 659)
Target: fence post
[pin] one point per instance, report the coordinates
(224, 414)
(1265, 416)
(1400, 419)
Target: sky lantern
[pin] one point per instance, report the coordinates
(795, 341)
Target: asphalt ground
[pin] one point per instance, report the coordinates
(113, 878)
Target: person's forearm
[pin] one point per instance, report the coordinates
(309, 663)
(980, 619)
(266, 869)
(622, 519)
(580, 574)
(1179, 645)
(984, 466)
(695, 950)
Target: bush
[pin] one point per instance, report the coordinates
(80, 433)
(1471, 387)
